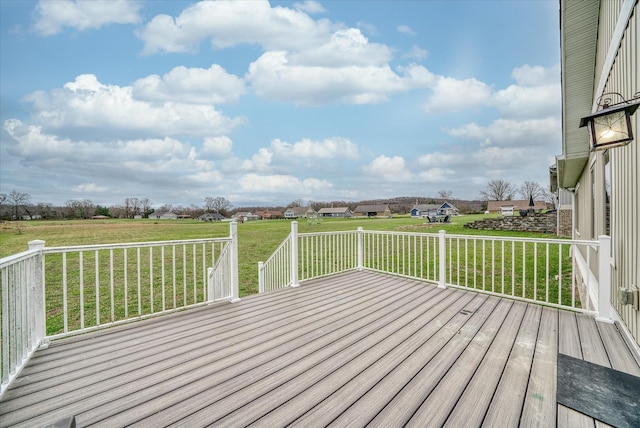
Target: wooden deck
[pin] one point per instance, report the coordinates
(354, 349)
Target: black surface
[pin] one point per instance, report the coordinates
(608, 395)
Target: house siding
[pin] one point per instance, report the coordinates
(616, 70)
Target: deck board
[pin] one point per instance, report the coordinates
(360, 348)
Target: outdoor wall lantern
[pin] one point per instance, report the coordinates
(611, 126)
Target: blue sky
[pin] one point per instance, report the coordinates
(265, 103)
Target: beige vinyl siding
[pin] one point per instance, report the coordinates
(625, 167)
(625, 164)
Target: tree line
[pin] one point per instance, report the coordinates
(17, 206)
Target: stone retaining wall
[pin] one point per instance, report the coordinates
(544, 223)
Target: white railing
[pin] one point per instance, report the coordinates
(544, 271)
(22, 322)
(51, 292)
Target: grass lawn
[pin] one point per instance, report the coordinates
(257, 239)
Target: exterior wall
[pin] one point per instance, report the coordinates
(617, 70)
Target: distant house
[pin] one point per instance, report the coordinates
(163, 215)
(496, 207)
(299, 212)
(272, 215)
(425, 210)
(381, 210)
(448, 209)
(211, 217)
(335, 212)
(433, 210)
(243, 216)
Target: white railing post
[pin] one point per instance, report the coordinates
(604, 279)
(235, 292)
(260, 277)
(360, 248)
(36, 295)
(294, 254)
(442, 248)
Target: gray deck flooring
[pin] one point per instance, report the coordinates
(354, 349)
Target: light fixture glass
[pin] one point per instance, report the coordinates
(610, 127)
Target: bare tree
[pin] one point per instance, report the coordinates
(445, 194)
(217, 204)
(3, 198)
(531, 189)
(498, 190)
(145, 206)
(77, 208)
(18, 200)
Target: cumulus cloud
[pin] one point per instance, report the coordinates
(287, 184)
(505, 132)
(451, 94)
(99, 109)
(416, 53)
(388, 168)
(405, 29)
(217, 146)
(273, 77)
(228, 24)
(88, 188)
(536, 76)
(191, 85)
(53, 16)
(309, 6)
(329, 148)
(166, 162)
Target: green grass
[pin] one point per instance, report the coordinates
(256, 242)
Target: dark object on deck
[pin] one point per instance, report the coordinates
(598, 391)
(447, 219)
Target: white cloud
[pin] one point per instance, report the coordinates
(536, 76)
(451, 94)
(260, 161)
(436, 175)
(438, 159)
(231, 23)
(345, 47)
(330, 148)
(405, 29)
(528, 101)
(191, 85)
(417, 53)
(388, 168)
(90, 107)
(505, 132)
(273, 77)
(88, 188)
(286, 184)
(309, 6)
(53, 16)
(217, 146)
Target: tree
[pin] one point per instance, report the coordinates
(77, 208)
(445, 194)
(217, 204)
(498, 190)
(531, 189)
(18, 200)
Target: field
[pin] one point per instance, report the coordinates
(257, 239)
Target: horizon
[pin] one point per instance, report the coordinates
(264, 103)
